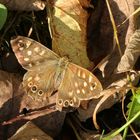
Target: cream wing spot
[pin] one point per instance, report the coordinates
(70, 93)
(29, 79)
(37, 78)
(83, 75)
(26, 59)
(78, 91)
(83, 91)
(20, 41)
(28, 43)
(79, 73)
(29, 53)
(36, 49)
(76, 84)
(91, 88)
(42, 53)
(90, 78)
(74, 99)
(85, 84)
(95, 84)
(21, 48)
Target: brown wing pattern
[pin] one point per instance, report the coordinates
(31, 53)
(77, 84)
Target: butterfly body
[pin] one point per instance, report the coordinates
(47, 72)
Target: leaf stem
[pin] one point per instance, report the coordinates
(122, 128)
(131, 107)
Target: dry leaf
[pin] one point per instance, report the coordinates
(10, 102)
(9, 85)
(29, 131)
(24, 5)
(68, 23)
(131, 53)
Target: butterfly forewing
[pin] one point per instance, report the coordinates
(77, 84)
(31, 53)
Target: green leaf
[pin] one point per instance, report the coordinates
(3, 15)
(136, 106)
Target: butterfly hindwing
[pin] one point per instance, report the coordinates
(39, 83)
(77, 84)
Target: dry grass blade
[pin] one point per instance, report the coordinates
(134, 13)
(114, 27)
(98, 106)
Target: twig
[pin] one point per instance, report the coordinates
(32, 115)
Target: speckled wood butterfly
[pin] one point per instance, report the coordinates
(47, 72)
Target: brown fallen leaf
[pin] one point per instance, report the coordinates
(68, 23)
(30, 131)
(131, 53)
(9, 85)
(11, 96)
(24, 5)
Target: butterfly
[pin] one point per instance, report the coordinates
(48, 73)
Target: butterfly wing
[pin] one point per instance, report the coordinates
(77, 84)
(31, 53)
(40, 63)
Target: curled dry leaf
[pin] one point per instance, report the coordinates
(131, 53)
(24, 5)
(68, 23)
(30, 131)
